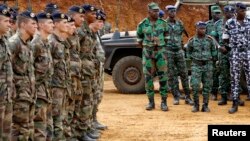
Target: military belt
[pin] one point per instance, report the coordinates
(154, 48)
(200, 62)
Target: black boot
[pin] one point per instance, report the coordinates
(176, 97)
(188, 99)
(196, 106)
(164, 106)
(151, 104)
(229, 97)
(93, 133)
(240, 102)
(85, 137)
(205, 105)
(179, 94)
(97, 125)
(234, 107)
(223, 100)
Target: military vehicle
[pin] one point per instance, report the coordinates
(123, 57)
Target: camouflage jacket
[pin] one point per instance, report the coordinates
(60, 56)
(100, 54)
(6, 73)
(202, 49)
(22, 63)
(152, 35)
(75, 61)
(238, 34)
(175, 32)
(212, 28)
(88, 41)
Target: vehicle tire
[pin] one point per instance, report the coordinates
(128, 75)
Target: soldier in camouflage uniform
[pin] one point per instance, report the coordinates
(151, 36)
(88, 72)
(237, 33)
(99, 61)
(215, 22)
(175, 56)
(24, 78)
(201, 50)
(6, 77)
(224, 64)
(43, 72)
(60, 78)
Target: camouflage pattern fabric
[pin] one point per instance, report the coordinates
(201, 51)
(88, 73)
(175, 56)
(153, 54)
(60, 83)
(239, 36)
(24, 78)
(43, 72)
(6, 91)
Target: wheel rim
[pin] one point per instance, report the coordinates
(132, 75)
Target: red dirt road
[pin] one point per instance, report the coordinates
(128, 120)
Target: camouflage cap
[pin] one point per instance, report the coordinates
(4, 11)
(153, 6)
(201, 24)
(215, 8)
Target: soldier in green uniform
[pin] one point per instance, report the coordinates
(99, 61)
(6, 77)
(201, 50)
(151, 36)
(60, 78)
(24, 78)
(88, 72)
(175, 56)
(212, 24)
(224, 64)
(43, 72)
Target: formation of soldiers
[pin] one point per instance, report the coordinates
(219, 51)
(51, 77)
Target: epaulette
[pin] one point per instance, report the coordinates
(143, 21)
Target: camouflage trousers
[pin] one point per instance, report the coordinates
(177, 67)
(50, 126)
(86, 104)
(72, 109)
(154, 63)
(238, 60)
(5, 120)
(58, 112)
(202, 74)
(23, 110)
(224, 77)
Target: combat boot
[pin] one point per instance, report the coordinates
(205, 105)
(181, 96)
(176, 97)
(234, 107)
(188, 99)
(151, 104)
(223, 100)
(229, 97)
(85, 137)
(164, 106)
(214, 95)
(248, 98)
(196, 106)
(93, 133)
(240, 102)
(96, 124)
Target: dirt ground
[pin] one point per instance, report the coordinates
(128, 120)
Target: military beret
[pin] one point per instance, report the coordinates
(76, 9)
(88, 8)
(44, 15)
(59, 16)
(4, 11)
(241, 6)
(153, 6)
(70, 19)
(229, 8)
(170, 7)
(161, 13)
(28, 14)
(201, 24)
(100, 15)
(51, 7)
(13, 16)
(215, 8)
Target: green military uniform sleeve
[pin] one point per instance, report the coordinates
(139, 33)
